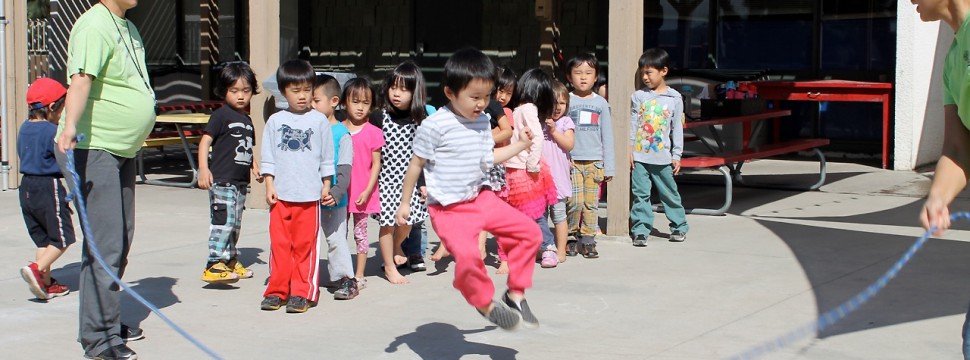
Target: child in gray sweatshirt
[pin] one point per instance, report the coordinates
(297, 162)
(593, 159)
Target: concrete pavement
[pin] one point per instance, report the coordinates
(776, 261)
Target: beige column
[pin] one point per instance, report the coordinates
(17, 81)
(625, 46)
(209, 16)
(264, 52)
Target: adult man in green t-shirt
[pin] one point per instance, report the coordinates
(111, 103)
(954, 166)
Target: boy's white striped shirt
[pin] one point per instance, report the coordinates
(458, 153)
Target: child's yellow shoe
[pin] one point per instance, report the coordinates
(239, 270)
(219, 273)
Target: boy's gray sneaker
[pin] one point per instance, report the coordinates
(640, 241)
(131, 333)
(522, 307)
(678, 236)
(502, 316)
(348, 289)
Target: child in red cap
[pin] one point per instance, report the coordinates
(42, 196)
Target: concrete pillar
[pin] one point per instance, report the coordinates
(209, 16)
(264, 45)
(920, 51)
(625, 46)
(17, 82)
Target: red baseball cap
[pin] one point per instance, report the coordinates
(44, 91)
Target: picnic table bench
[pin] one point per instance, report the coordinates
(181, 136)
(729, 162)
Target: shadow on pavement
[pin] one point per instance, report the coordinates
(441, 341)
(839, 263)
(157, 290)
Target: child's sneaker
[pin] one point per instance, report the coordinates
(522, 307)
(129, 333)
(347, 290)
(640, 240)
(55, 289)
(361, 283)
(678, 236)
(239, 270)
(571, 248)
(502, 316)
(417, 263)
(297, 304)
(549, 259)
(219, 273)
(35, 280)
(589, 251)
(271, 303)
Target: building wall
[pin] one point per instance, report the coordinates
(382, 33)
(921, 48)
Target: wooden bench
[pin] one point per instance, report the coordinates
(729, 163)
(162, 138)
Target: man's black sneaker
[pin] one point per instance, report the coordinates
(502, 316)
(677, 236)
(640, 241)
(589, 251)
(417, 263)
(297, 304)
(571, 248)
(131, 333)
(347, 289)
(117, 352)
(522, 307)
(271, 302)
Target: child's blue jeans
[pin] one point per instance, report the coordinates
(644, 177)
(417, 241)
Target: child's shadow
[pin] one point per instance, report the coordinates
(250, 256)
(445, 342)
(157, 290)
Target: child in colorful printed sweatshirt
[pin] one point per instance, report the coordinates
(656, 143)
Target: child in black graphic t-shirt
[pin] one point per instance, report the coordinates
(227, 174)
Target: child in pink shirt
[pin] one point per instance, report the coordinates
(368, 140)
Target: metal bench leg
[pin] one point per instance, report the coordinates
(192, 166)
(728, 197)
(141, 166)
(818, 184)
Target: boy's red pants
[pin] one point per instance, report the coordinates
(294, 236)
(458, 226)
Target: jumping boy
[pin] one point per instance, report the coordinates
(656, 143)
(297, 164)
(455, 149)
(593, 159)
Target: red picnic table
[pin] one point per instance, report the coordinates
(832, 90)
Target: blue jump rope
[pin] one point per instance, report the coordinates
(83, 214)
(823, 322)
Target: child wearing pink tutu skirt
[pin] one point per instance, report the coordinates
(530, 183)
